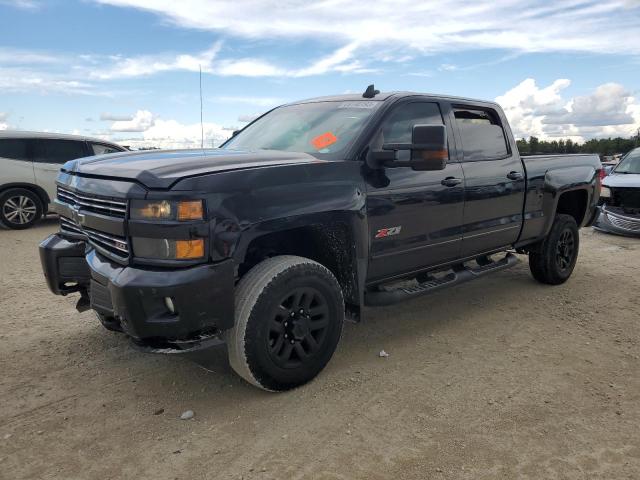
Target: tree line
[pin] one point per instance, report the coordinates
(601, 146)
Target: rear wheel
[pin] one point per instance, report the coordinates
(289, 315)
(555, 258)
(19, 208)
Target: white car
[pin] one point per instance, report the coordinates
(29, 165)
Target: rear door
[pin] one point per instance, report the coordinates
(415, 217)
(494, 180)
(50, 154)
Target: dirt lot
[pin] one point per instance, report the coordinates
(501, 378)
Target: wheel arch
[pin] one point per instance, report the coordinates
(569, 191)
(334, 241)
(38, 190)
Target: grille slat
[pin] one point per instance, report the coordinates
(624, 223)
(111, 244)
(114, 208)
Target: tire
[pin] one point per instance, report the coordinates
(555, 258)
(289, 316)
(20, 208)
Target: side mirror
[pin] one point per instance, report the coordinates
(428, 148)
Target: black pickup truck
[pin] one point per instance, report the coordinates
(311, 212)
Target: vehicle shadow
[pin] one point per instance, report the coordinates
(388, 328)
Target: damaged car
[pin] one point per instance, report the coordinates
(620, 198)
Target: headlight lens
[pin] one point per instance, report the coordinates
(166, 249)
(167, 210)
(605, 192)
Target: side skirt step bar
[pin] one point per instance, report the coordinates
(458, 275)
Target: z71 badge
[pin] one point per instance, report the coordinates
(388, 232)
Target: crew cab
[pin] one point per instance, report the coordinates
(311, 212)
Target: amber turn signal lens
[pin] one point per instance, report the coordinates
(189, 249)
(190, 210)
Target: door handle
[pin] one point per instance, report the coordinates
(514, 176)
(451, 181)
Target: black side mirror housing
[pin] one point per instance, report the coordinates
(428, 149)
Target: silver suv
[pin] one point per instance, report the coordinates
(29, 165)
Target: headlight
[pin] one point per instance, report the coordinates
(166, 249)
(167, 210)
(605, 192)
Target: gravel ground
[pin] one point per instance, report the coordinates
(499, 378)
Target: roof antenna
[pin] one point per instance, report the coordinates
(370, 92)
(201, 124)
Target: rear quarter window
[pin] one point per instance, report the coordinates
(101, 149)
(14, 148)
(482, 134)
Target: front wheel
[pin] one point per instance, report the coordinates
(555, 258)
(289, 315)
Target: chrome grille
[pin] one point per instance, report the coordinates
(111, 244)
(92, 203)
(625, 223)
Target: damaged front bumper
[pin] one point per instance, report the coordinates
(161, 310)
(615, 220)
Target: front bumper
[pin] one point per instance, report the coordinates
(203, 295)
(613, 221)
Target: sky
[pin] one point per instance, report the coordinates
(128, 70)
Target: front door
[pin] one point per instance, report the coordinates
(415, 217)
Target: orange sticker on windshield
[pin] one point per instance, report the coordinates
(324, 140)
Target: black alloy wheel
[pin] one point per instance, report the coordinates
(298, 327)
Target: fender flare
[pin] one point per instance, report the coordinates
(555, 187)
(328, 226)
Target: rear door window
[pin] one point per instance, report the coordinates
(101, 149)
(482, 134)
(58, 151)
(14, 148)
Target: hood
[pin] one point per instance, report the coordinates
(162, 168)
(619, 180)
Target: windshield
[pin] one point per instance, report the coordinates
(630, 163)
(323, 129)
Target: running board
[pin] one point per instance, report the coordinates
(457, 276)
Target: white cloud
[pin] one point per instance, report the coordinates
(156, 132)
(125, 67)
(24, 80)
(23, 4)
(3, 116)
(18, 56)
(173, 134)
(142, 121)
(447, 25)
(610, 110)
(110, 117)
(607, 105)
